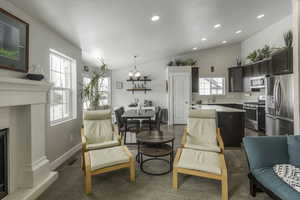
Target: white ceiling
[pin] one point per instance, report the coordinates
(118, 29)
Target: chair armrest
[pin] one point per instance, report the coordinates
(83, 140)
(177, 157)
(220, 140)
(184, 137)
(117, 136)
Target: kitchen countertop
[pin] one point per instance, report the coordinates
(217, 108)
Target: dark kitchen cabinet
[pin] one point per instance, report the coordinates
(248, 71)
(195, 79)
(235, 76)
(282, 62)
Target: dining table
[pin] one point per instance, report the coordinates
(138, 114)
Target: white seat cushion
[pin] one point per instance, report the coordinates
(108, 157)
(102, 145)
(200, 160)
(203, 147)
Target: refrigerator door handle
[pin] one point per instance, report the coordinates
(279, 99)
(275, 96)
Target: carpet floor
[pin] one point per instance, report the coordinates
(116, 185)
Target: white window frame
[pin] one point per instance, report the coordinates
(72, 90)
(211, 88)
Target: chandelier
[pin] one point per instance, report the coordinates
(134, 73)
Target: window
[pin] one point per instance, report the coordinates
(211, 86)
(63, 92)
(104, 88)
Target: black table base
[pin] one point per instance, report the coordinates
(156, 152)
(157, 158)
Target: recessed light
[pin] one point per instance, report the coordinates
(155, 18)
(195, 48)
(203, 39)
(260, 16)
(238, 32)
(217, 26)
(224, 42)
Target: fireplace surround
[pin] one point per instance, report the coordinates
(3, 163)
(23, 106)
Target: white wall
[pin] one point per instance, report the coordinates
(272, 36)
(296, 26)
(63, 137)
(221, 58)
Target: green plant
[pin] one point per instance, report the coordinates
(92, 91)
(260, 54)
(179, 62)
(252, 56)
(288, 38)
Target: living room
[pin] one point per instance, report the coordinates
(153, 72)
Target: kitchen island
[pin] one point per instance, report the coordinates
(231, 122)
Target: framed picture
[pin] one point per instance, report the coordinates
(14, 42)
(119, 85)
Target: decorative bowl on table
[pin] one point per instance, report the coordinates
(35, 77)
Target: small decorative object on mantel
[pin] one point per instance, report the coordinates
(179, 62)
(14, 49)
(288, 39)
(35, 73)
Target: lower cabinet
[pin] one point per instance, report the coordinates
(232, 125)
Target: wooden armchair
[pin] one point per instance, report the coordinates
(202, 132)
(98, 132)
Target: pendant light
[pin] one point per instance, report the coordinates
(135, 72)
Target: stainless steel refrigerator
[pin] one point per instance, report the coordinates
(280, 105)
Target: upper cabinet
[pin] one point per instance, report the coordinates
(282, 62)
(195, 79)
(235, 76)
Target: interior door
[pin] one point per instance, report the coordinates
(181, 98)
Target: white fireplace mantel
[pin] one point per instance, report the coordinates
(23, 111)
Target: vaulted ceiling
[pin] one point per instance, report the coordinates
(118, 29)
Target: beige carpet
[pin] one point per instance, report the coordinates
(116, 185)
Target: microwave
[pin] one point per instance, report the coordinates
(258, 82)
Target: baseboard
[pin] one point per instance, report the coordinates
(59, 161)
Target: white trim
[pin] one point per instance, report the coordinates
(63, 158)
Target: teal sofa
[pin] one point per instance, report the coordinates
(262, 154)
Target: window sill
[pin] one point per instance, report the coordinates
(52, 124)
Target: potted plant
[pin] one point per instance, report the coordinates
(92, 91)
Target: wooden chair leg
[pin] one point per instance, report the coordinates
(175, 179)
(132, 170)
(224, 187)
(88, 176)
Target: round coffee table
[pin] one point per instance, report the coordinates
(156, 145)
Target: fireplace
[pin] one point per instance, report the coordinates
(3, 164)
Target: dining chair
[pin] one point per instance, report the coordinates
(132, 125)
(154, 123)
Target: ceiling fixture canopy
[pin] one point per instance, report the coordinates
(134, 73)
